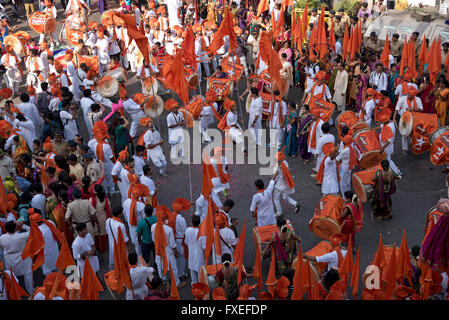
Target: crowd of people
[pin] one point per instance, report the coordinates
(79, 152)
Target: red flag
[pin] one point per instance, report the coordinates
(411, 55)
(305, 22)
(257, 272)
(379, 261)
(226, 29)
(188, 48)
(207, 229)
(90, 285)
(262, 7)
(12, 288)
(208, 174)
(160, 241)
(322, 41)
(271, 278)
(422, 55)
(355, 275)
(385, 56)
(34, 247)
(174, 295)
(404, 266)
(404, 58)
(346, 40)
(347, 264)
(121, 265)
(65, 258)
(300, 34)
(332, 40)
(271, 58)
(298, 291)
(391, 275)
(280, 25)
(239, 252)
(174, 77)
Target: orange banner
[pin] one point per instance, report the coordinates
(221, 87)
(73, 35)
(228, 67)
(326, 108)
(439, 151)
(424, 124)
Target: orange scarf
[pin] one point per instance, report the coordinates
(340, 255)
(280, 117)
(353, 162)
(224, 177)
(99, 150)
(36, 64)
(313, 134)
(133, 211)
(386, 133)
(223, 124)
(412, 105)
(203, 44)
(116, 219)
(287, 175)
(68, 79)
(17, 62)
(123, 42)
(320, 175)
(319, 96)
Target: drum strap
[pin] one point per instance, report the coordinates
(340, 255)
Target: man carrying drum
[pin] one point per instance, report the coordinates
(334, 258)
(386, 138)
(410, 102)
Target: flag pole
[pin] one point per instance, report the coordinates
(190, 174)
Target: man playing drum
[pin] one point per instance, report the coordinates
(409, 102)
(386, 137)
(34, 66)
(50, 9)
(175, 122)
(13, 73)
(133, 107)
(262, 203)
(153, 142)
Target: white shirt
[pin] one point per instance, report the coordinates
(107, 151)
(139, 278)
(263, 202)
(13, 245)
(398, 91)
(196, 253)
(149, 183)
(80, 246)
(138, 165)
(318, 90)
(27, 131)
(402, 105)
(30, 111)
(140, 210)
(369, 108)
(70, 128)
(331, 258)
(274, 123)
(280, 182)
(171, 244)
(133, 109)
(51, 250)
(330, 181)
(38, 202)
(255, 109)
(228, 237)
(112, 227)
(380, 80)
(201, 207)
(176, 134)
(390, 148)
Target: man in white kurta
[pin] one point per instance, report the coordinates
(27, 130)
(195, 246)
(325, 138)
(219, 186)
(316, 125)
(115, 173)
(51, 250)
(71, 73)
(262, 203)
(201, 207)
(30, 111)
(102, 46)
(136, 113)
(85, 102)
(367, 109)
(140, 212)
(83, 245)
(255, 116)
(410, 102)
(180, 233)
(112, 225)
(13, 75)
(206, 118)
(388, 144)
(201, 44)
(344, 156)
(175, 121)
(139, 277)
(340, 87)
(330, 179)
(13, 243)
(170, 251)
(153, 142)
(235, 131)
(172, 9)
(281, 188)
(228, 241)
(278, 114)
(108, 163)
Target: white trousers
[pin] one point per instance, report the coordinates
(134, 239)
(133, 129)
(170, 259)
(277, 200)
(176, 150)
(194, 276)
(28, 279)
(276, 137)
(202, 128)
(256, 133)
(180, 260)
(405, 141)
(393, 166)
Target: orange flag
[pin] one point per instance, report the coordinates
(280, 25)
(411, 55)
(239, 252)
(391, 275)
(313, 39)
(355, 275)
(422, 55)
(306, 284)
(217, 242)
(426, 282)
(332, 38)
(226, 29)
(359, 36)
(273, 26)
(65, 258)
(379, 261)
(90, 285)
(353, 44)
(174, 295)
(322, 41)
(298, 291)
(346, 40)
(262, 7)
(404, 266)
(433, 66)
(257, 272)
(207, 229)
(347, 264)
(208, 174)
(293, 27)
(271, 278)
(121, 265)
(404, 57)
(299, 30)
(173, 76)
(385, 56)
(439, 51)
(271, 58)
(12, 288)
(188, 48)
(3, 201)
(305, 22)
(34, 247)
(160, 241)
(446, 63)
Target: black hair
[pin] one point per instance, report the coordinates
(281, 221)
(76, 193)
(385, 164)
(289, 274)
(25, 197)
(349, 194)
(228, 203)
(325, 127)
(86, 184)
(36, 187)
(196, 220)
(24, 97)
(259, 184)
(72, 157)
(415, 250)
(20, 117)
(50, 170)
(44, 86)
(63, 195)
(140, 148)
(146, 169)
(99, 190)
(132, 258)
(254, 91)
(155, 283)
(331, 277)
(148, 210)
(117, 211)
(87, 93)
(226, 257)
(344, 131)
(80, 227)
(10, 226)
(95, 107)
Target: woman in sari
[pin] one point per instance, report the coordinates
(102, 211)
(384, 187)
(393, 76)
(59, 216)
(352, 216)
(305, 123)
(291, 131)
(286, 49)
(441, 92)
(428, 99)
(284, 244)
(362, 85)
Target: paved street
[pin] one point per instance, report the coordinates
(422, 185)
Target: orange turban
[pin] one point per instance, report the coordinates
(280, 156)
(228, 104)
(100, 33)
(47, 144)
(68, 55)
(196, 28)
(31, 90)
(145, 121)
(238, 31)
(403, 292)
(385, 115)
(211, 96)
(48, 3)
(347, 139)
(410, 75)
(123, 155)
(55, 91)
(171, 104)
(335, 239)
(371, 92)
(321, 75)
(93, 25)
(218, 294)
(412, 91)
(51, 78)
(49, 284)
(221, 220)
(139, 98)
(35, 217)
(199, 290)
(281, 287)
(265, 296)
(328, 148)
(180, 204)
(5, 93)
(11, 200)
(5, 128)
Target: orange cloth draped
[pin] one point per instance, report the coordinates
(99, 150)
(34, 247)
(386, 134)
(287, 175)
(312, 134)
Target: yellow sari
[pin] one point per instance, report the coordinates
(441, 106)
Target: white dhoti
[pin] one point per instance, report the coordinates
(170, 259)
(277, 193)
(180, 260)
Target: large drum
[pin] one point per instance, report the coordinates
(346, 119)
(359, 125)
(363, 184)
(367, 147)
(326, 220)
(17, 41)
(152, 109)
(92, 62)
(119, 74)
(108, 86)
(262, 235)
(191, 78)
(439, 146)
(152, 85)
(326, 108)
(320, 249)
(421, 126)
(223, 87)
(41, 22)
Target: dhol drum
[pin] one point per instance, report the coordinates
(359, 125)
(191, 77)
(346, 119)
(73, 35)
(439, 146)
(92, 62)
(151, 109)
(15, 43)
(362, 183)
(108, 86)
(432, 217)
(420, 126)
(367, 147)
(119, 74)
(326, 108)
(42, 22)
(152, 85)
(228, 67)
(320, 249)
(266, 99)
(195, 106)
(262, 235)
(326, 220)
(223, 87)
